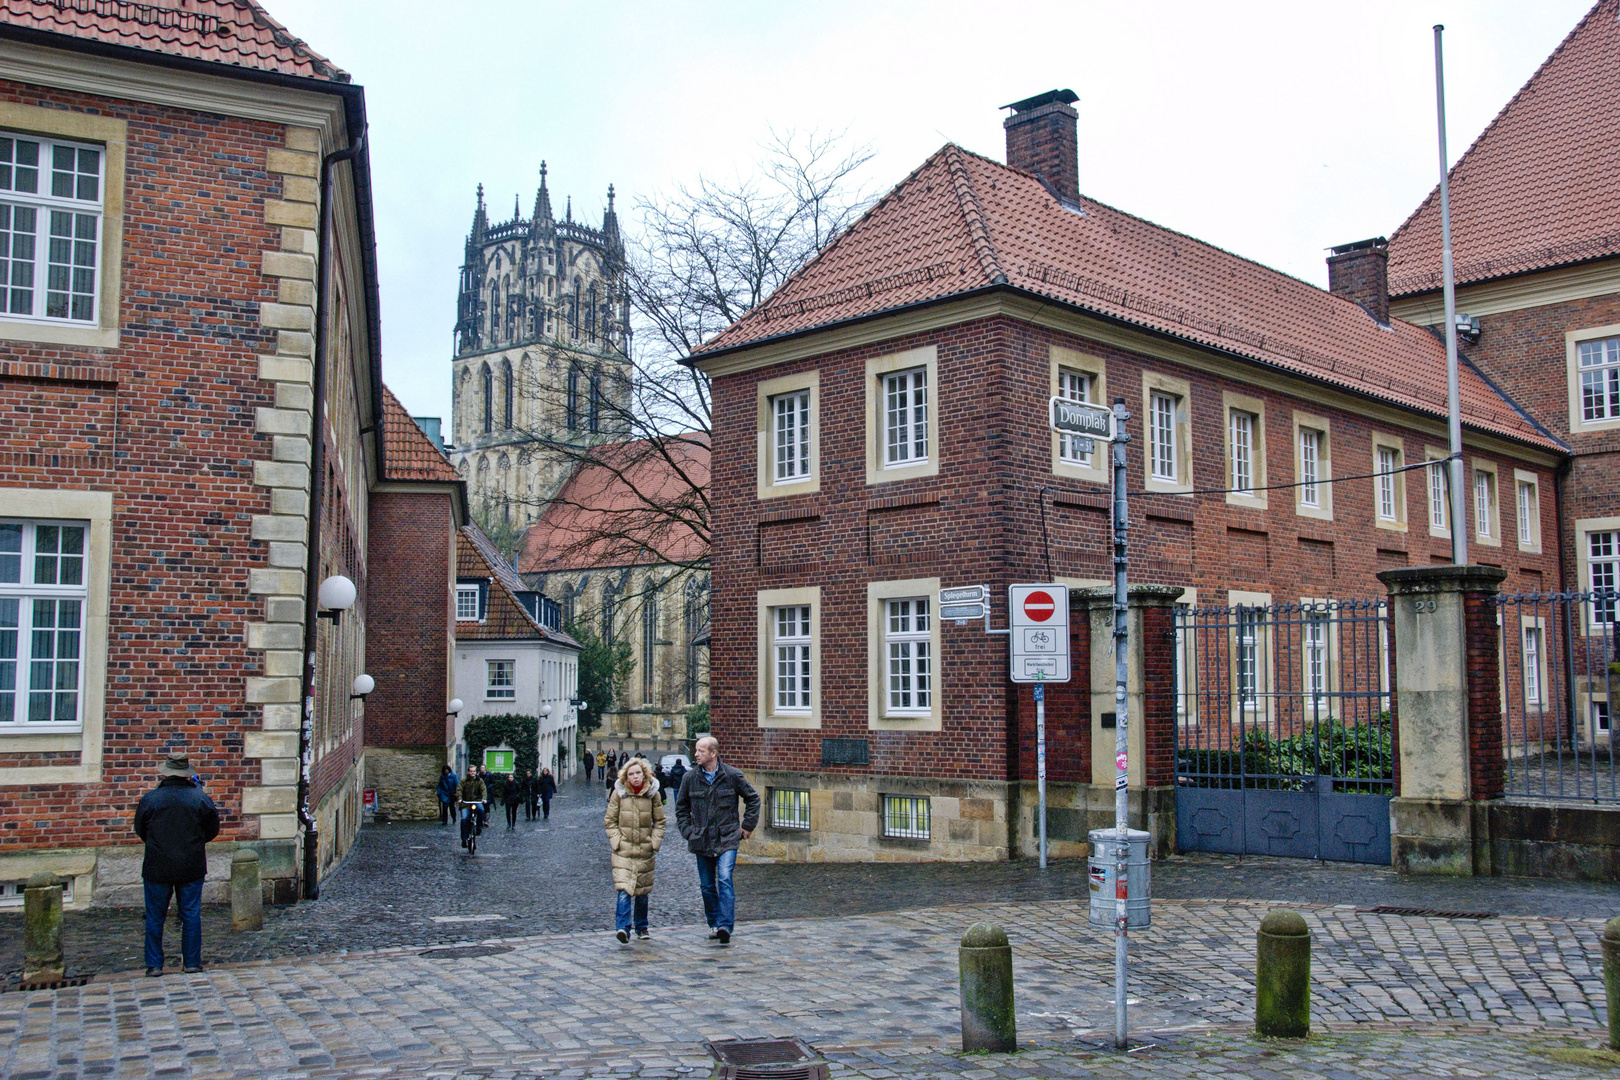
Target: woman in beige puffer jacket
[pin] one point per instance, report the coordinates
(635, 828)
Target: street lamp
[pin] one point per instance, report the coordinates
(455, 706)
(363, 685)
(335, 596)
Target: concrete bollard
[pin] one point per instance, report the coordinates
(989, 1021)
(247, 895)
(1611, 978)
(1282, 977)
(42, 929)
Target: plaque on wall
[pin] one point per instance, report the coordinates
(844, 752)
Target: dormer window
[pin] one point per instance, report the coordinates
(469, 606)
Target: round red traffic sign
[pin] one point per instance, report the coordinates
(1039, 606)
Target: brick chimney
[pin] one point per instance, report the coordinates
(1360, 272)
(1042, 139)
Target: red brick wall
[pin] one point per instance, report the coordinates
(980, 521)
(167, 426)
(1482, 642)
(409, 619)
(1068, 715)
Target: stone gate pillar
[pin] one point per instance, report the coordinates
(1448, 721)
(1150, 698)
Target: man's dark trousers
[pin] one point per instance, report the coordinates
(157, 910)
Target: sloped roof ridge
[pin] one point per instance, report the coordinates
(286, 37)
(1434, 192)
(966, 198)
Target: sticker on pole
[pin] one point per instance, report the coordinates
(1038, 616)
(1121, 761)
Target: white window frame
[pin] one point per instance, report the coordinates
(21, 632)
(909, 659)
(1527, 507)
(1066, 366)
(39, 255)
(1533, 663)
(769, 602)
(1580, 346)
(1486, 496)
(495, 689)
(792, 811)
(792, 437)
(1259, 704)
(1246, 473)
(1318, 614)
(1169, 433)
(791, 684)
(770, 391)
(905, 817)
(60, 127)
(1322, 510)
(906, 408)
(924, 365)
(1389, 491)
(463, 591)
(881, 715)
(1436, 491)
(1598, 566)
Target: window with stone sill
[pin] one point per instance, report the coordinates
(790, 808)
(43, 595)
(1310, 468)
(791, 418)
(51, 195)
(908, 645)
(791, 656)
(1599, 364)
(502, 680)
(906, 817)
(905, 417)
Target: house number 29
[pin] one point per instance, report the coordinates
(1422, 607)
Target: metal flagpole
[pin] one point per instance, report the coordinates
(1122, 847)
(1459, 516)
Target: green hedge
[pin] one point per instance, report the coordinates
(1348, 753)
(521, 733)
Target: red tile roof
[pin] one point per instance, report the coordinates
(633, 504)
(505, 618)
(235, 32)
(962, 222)
(408, 454)
(1537, 189)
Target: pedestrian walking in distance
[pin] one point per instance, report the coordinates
(448, 782)
(601, 763)
(512, 797)
(531, 795)
(176, 820)
(635, 828)
(610, 776)
(544, 789)
(706, 813)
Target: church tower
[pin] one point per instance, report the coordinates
(542, 342)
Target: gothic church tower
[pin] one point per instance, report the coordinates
(541, 352)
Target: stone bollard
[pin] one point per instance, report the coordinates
(989, 1021)
(247, 895)
(42, 930)
(1282, 976)
(1611, 978)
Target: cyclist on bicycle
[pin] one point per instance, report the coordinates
(471, 796)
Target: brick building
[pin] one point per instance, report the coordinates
(181, 313)
(881, 431)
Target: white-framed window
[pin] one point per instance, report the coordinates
(43, 595)
(1318, 657)
(1074, 449)
(790, 808)
(905, 417)
(501, 681)
(790, 655)
(1240, 430)
(791, 417)
(908, 657)
(1603, 574)
(1439, 498)
(906, 817)
(467, 603)
(50, 228)
(1486, 523)
(1532, 665)
(1163, 451)
(1388, 462)
(1247, 656)
(1310, 468)
(1527, 502)
(1600, 717)
(1598, 363)
(1389, 484)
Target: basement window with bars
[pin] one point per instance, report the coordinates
(50, 228)
(43, 595)
(790, 808)
(906, 817)
(12, 893)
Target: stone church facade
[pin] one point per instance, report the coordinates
(541, 355)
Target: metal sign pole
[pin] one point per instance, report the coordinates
(1122, 847)
(1459, 513)
(1040, 761)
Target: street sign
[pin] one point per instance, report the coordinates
(964, 594)
(1038, 616)
(961, 612)
(1078, 418)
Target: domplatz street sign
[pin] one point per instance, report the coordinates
(1078, 418)
(1038, 616)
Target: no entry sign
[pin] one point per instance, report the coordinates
(1038, 616)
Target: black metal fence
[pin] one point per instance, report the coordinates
(1560, 670)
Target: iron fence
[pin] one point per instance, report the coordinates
(1560, 664)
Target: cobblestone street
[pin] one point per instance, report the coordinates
(858, 961)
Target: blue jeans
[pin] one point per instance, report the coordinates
(621, 917)
(719, 898)
(157, 910)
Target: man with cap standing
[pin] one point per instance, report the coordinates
(176, 820)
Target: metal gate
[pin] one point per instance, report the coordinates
(1283, 733)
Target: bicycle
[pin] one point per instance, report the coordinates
(472, 825)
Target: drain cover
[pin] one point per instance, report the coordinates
(462, 952)
(1432, 913)
(77, 980)
(765, 1059)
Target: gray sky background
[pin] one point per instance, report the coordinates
(1273, 130)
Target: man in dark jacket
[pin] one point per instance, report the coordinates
(448, 781)
(544, 789)
(706, 811)
(176, 820)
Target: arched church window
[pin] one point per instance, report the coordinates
(573, 310)
(696, 614)
(573, 397)
(494, 310)
(596, 402)
(649, 643)
(489, 400)
(506, 395)
(590, 313)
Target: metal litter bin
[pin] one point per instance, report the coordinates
(1138, 903)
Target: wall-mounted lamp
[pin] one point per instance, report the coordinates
(335, 596)
(455, 707)
(545, 711)
(363, 685)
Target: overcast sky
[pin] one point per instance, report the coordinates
(1273, 130)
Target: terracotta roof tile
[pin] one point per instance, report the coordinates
(235, 32)
(1536, 189)
(505, 618)
(408, 453)
(961, 222)
(630, 500)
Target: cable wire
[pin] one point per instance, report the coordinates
(1303, 483)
